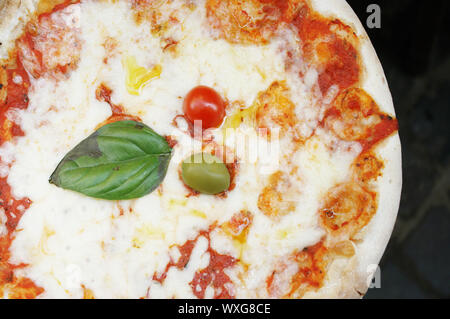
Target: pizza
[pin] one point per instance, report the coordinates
(192, 149)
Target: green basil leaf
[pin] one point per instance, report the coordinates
(121, 160)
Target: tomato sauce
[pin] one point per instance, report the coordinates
(185, 255)
(311, 267)
(310, 273)
(172, 141)
(338, 55)
(239, 225)
(16, 98)
(50, 7)
(347, 208)
(379, 132)
(367, 167)
(45, 29)
(103, 94)
(213, 275)
(18, 287)
(353, 108)
(343, 70)
(17, 86)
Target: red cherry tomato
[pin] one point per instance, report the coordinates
(204, 104)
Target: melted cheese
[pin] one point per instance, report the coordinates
(73, 243)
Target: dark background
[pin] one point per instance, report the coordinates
(413, 45)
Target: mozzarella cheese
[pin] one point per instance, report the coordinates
(115, 247)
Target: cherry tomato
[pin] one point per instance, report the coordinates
(204, 104)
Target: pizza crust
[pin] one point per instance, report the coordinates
(358, 273)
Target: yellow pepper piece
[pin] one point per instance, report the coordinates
(137, 76)
(198, 213)
(247, 116)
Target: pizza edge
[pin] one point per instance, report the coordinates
(374, 238)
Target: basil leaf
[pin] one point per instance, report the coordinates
(121, 160)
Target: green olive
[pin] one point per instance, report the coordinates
(205, 173)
